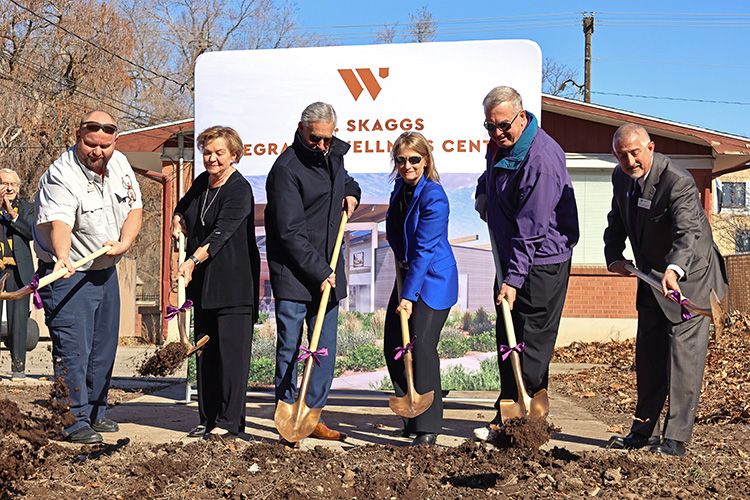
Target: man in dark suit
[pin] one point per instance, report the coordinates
(307, 190)
(16, 220)
(656, 206)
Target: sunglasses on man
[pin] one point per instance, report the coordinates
(315, 139)
(92, 126)
(504, 126)
(401, 160)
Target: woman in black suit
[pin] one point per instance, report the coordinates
(217, 215)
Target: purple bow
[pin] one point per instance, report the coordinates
(675, 296)
(173, 311)
(306, 353)
(506, 350)
(400, 351)
(35, 287)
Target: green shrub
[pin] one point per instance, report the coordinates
(347, 342)
(449, 332)
(481, 316)
(350, 321)
(386, 384)
(452, 348)
(263, 317)
(456, 378)
(482, 342)
(454, 317)
(377, 323)
(366, 358)
(261, 372)
(264, 346)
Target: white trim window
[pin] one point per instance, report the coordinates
(732, 196)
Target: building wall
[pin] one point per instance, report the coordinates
(594, 292)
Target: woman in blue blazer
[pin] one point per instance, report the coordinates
(417, 231)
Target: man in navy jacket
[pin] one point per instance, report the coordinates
(307, 188)
(527, 199)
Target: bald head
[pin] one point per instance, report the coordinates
(634, 150)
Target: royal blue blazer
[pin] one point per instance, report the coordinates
(432, 274)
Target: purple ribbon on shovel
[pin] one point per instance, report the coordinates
(400, 351)
(675, 296)
(306, 353)
(173, 311)
(37, 298)
(506, 350)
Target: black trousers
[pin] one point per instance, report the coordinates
(426, 323)
(536, 319)
(224, 365)
(669, 362)
(18, 320)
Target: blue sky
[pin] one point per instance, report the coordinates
(684, 53)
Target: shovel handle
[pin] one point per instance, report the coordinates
(405, 337)
(657, 285)
(183, 319)
(62, 272)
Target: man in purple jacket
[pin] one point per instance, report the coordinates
(526, 198)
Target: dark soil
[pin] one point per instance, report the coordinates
(165, 361)
(717, 464)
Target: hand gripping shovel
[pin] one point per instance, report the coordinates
(413, 403)
(538, 406)
(297, 421)
(716, 313)
(183, 320)
(32, 287)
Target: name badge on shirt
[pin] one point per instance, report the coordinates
(644, 203)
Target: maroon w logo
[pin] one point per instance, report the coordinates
(367, 79)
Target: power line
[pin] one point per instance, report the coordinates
(113, 54)
(738, 103)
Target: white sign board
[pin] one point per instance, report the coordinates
(378, 91)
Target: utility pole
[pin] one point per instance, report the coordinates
(588, 30)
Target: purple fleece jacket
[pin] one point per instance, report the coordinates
(531, 207)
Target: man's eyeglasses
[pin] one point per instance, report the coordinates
(315, 139)
(92, 126)
(127, 183)
(504, 126)
(401, 160)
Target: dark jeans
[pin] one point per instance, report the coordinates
(290, 316)
(83, 317)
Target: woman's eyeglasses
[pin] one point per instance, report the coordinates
(401, 160)
(92, 126)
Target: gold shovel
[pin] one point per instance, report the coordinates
(29, 289)
(716, 313)
(538, 406)
(183, 319)
(412, 404)
(297, 421)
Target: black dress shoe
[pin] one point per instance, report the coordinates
(669, 447)
(197, 431)
(424, 438)
(105, 425)
(632, 441)
(84, 435)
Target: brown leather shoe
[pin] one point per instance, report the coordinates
(323, 432)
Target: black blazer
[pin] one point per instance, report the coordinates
(305, 190)
(672, 229)
(20, 231)
(230, 276)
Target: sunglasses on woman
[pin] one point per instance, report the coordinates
(92, 126)
(401, 160)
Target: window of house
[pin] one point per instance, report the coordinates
(742, 241)
(733, 195)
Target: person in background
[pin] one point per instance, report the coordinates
(222, 272)
(308, 189)
(87, 199)
(526, 197)
(657, 207)
(17, 220)
(417, 231)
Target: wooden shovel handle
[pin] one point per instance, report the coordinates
(62, 272)
(651, 281)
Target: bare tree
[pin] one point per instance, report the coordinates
(559, 79)
(422, 28)
(387, 34)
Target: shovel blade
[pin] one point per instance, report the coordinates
(410, 407)
(296, 421)
(717, 315)
(539, 406)
(510, 409)
(198, 345)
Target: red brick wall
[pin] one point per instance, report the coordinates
(594, 292)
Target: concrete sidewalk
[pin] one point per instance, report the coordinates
(164, 415)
